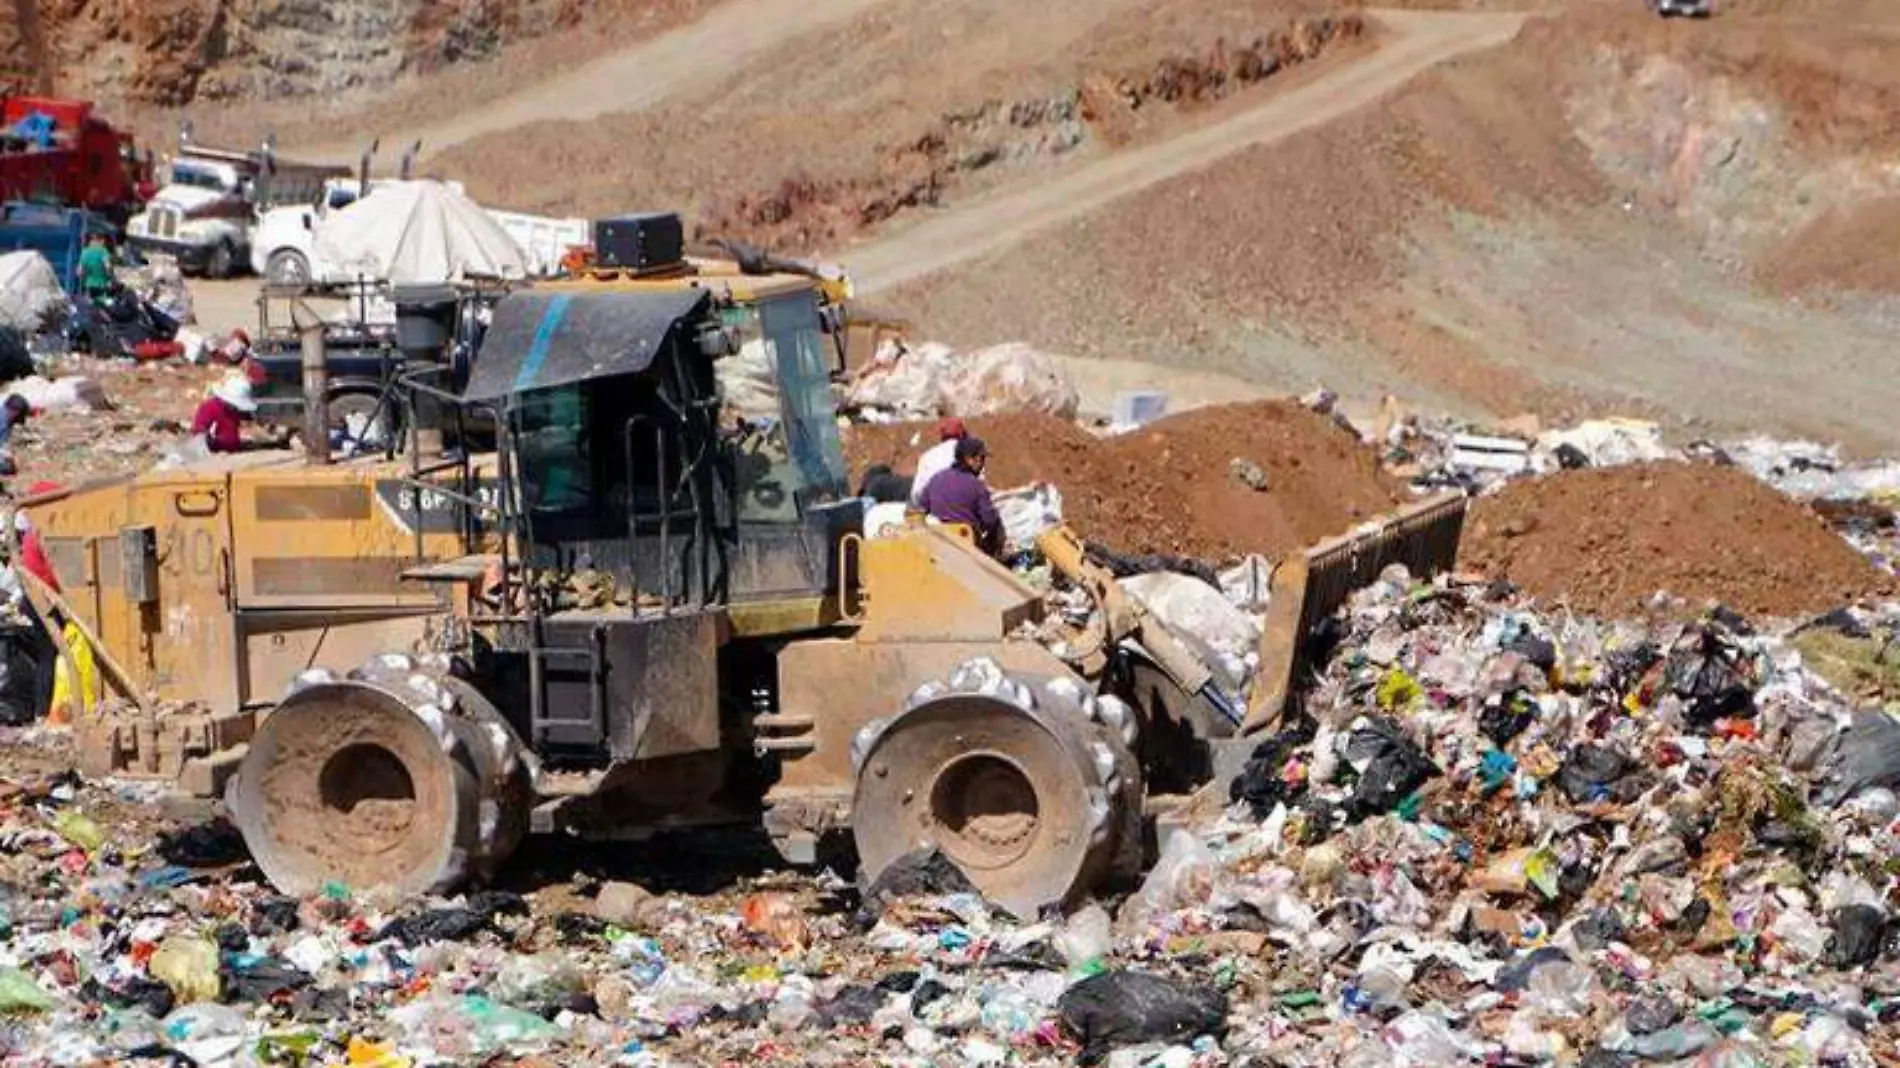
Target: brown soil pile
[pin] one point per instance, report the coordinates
(1605, 541)
(1182, 485)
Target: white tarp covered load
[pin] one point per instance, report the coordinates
(419, 232)
(934, 379)
(1606, 442)
(30, 296)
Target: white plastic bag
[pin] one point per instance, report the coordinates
(75, 393)
(1027, 512)
(30, 297)
(1606, 442)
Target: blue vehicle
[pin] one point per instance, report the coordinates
(57, 233)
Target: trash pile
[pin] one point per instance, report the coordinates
(1506, 837)
(933, 379)
(1607, 540)
(1493, 837)
(1214, 484)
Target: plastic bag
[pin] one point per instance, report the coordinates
(1866, 756)
(76, 677)
(1124, 1008)
(189, 965)
(74, 393)
(1085, 938)
(80, 830)
(1390, 766)
(1859, 933)
(1185, 874)
(31, 299)
(933, 379)
(1712, 674)
(20, 994)
(1589, 771)
(25, 653)
(1026, 513)
(922, 873)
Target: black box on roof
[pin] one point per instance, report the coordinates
(649, 241)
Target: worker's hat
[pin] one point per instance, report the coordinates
(950, 428)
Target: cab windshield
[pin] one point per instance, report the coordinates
(200, 176)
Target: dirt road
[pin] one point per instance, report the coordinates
(1420, 40)
(693, 55)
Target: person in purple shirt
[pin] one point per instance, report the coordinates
(958, 494)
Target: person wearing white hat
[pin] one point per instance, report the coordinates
(220, 418)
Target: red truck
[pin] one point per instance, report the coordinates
(61, 152)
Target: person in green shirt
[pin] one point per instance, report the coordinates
(95, 268)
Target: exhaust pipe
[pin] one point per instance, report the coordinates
(316, 389)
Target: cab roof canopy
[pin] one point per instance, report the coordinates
(539, 339)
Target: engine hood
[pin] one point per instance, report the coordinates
(196, 201)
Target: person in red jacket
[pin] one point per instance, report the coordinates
(221, 417)
(33, 558)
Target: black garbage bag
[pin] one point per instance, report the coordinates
(920, 873)
(1394, 767)
(854, 1005)
(1624, 668)
(454, 924)
(27, 658)
(1598, 929)
(1122, 566)
(1648, 1015)
(275, 915)
(1505, 716)
(1260, 783)
(1538, 651)
(149, 995)
(1866, 756)
(211, 844)
(16, 359)
(1124, 1008)
(1712, 674)
(260, 979)
(1859, 933)
(1590, 771)
(1516, 976)
(1571, 458)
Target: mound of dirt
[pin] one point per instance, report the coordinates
(1605, 541)
(1215, 483)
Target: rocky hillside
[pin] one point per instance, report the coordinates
(172, 52)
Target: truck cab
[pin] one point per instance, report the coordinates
(206, 214)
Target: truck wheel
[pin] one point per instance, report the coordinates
(1014, 784)
(410, 783)
(287, 267)
(220, 263)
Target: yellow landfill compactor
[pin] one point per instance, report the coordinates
(636, 613)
